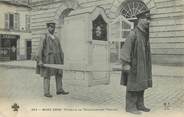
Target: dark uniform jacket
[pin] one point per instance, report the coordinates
(50, 52)
(136, 52)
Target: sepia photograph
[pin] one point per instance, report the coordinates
(94, 58)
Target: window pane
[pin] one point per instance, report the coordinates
(27, 22)
(11, 20)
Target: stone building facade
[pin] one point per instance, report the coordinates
(15, 34)
(166, 29)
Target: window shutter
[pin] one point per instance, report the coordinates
(6, 21)
(16, 21)
(27, 22)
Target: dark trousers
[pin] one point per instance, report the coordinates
(46, 84)
(134, 100)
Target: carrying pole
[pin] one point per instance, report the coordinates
(81, 69)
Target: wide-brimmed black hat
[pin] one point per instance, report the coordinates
(144, 14)
(51, 24)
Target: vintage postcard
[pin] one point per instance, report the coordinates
(95, 58)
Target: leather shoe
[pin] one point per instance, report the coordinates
(48, 95)
(134, 112)
(62, 92)
(144, 109)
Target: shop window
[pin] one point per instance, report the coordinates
(8, 46)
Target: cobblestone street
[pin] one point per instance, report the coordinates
(24, 87)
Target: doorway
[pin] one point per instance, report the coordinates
(13, 49)
(130, 8)
(28, 49)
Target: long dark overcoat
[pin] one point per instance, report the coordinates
(50, 52)
(136, 52)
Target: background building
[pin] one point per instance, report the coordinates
(166, 29)
(15, 34)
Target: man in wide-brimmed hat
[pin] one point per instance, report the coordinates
(136, 64)
(50, 52)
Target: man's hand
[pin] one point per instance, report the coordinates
(126, 67)
(40, 63)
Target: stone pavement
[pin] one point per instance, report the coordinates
(24, 87)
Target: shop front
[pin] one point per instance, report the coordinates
(8, 47)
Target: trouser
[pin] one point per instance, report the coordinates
(46, 84)
(134, 100)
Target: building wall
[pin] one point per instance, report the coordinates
(167, 32)
(166, 29)
(24, 34)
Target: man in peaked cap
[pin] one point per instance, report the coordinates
(144, 14)
(50, 52)
(51, 24)
(136, 64)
